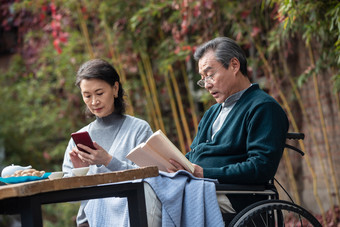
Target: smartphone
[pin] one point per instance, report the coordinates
(82, 138)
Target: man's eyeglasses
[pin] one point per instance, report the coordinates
(208, 79)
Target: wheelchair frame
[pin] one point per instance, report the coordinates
(267, 212)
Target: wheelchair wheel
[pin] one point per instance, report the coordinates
(274, 213)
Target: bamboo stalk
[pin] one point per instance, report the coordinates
(117, 62)
(84, 31)
(175, 115)
(338, 103)
(180, 105)
(302, 146)
(295, 128)
(291, 117)
(312, 134)
(317, 149)
(323, 125)
(190, 98)
(191, 102)
(286, 156)
(149, 75)
(150, 106)
(291, 176)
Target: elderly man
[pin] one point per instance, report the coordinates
(240, 139)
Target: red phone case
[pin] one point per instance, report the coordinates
(82, 138)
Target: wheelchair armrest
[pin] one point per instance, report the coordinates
(240, 187)
(268, 189)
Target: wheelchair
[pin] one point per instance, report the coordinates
(269, 210)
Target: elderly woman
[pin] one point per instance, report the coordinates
(113, 132)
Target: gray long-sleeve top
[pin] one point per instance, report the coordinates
(117, 134)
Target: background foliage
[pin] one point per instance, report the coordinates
(151, 44)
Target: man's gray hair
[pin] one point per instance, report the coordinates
(225, 49)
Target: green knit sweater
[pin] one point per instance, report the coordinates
(248, 147)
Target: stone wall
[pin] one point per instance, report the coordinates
(323, 157)
(321, 161)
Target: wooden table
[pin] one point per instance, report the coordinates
(26, 198)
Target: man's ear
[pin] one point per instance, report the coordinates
(235, 64)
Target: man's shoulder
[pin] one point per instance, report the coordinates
(257, 96)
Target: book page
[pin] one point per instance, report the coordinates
(143, 156)
(162, 145)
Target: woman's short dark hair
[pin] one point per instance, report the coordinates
(225, 49)
(101, 69)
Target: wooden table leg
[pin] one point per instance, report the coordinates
(31, 213)
(137, 209)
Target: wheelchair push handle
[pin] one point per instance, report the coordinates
(295, 136)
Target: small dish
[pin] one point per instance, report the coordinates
(80, 171)
(56, 175)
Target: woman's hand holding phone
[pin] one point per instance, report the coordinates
(97, 156)
(76, 160)
(88, 152)
(82, 138)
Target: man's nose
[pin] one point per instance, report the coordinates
(207, 85)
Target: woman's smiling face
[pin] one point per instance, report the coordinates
(98, 96)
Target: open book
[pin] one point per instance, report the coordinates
(157, 150)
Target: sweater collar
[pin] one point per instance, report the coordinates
(109, 120)
(231, 100)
